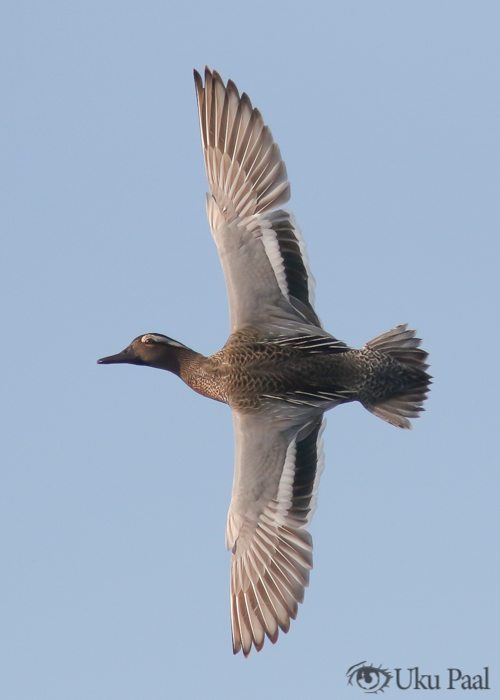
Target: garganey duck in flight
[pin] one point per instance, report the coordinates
(279, 371)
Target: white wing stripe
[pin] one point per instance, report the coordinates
(285, 488)
(273, 252)
(319, 471)
(302, 459)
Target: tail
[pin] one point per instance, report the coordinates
(410, 392)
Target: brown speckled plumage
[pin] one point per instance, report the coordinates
(250, 368)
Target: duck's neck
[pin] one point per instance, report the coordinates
(195, 370)
(179, 360)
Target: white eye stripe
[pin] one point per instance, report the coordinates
(160, 339)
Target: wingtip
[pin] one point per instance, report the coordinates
(232, 89)
(207, 73)
(216, 76)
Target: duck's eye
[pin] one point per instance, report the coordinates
(149, 341)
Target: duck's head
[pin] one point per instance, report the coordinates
(152, 349)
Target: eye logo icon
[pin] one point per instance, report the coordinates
(369, 678)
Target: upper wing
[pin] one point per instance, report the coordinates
(275, 487)
(262, 250)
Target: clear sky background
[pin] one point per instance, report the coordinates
(115, 481)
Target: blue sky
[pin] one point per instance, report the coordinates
(115, 481)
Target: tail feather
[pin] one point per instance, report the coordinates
(408, 398)
(402, 345)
